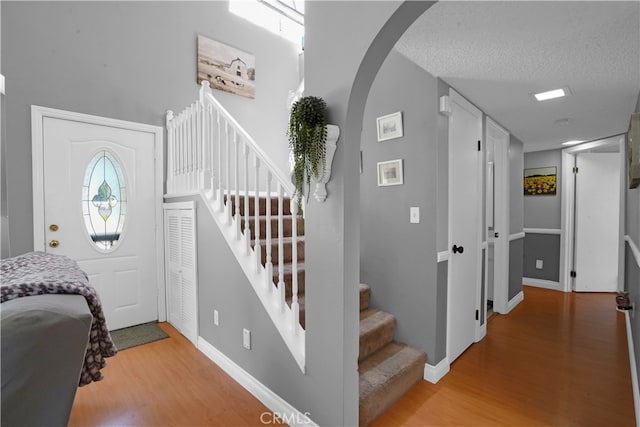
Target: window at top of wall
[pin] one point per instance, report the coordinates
(282, 17)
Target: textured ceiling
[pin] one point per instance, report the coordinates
(497, 53)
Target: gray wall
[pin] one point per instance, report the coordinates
(632, 269)
(516, 215)
(131, 61)
(398, 259)
(543, 212)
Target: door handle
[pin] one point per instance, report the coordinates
(496, 234)
(53, 227)
(457, 249)
(54, 244)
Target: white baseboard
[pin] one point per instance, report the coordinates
(275, 403)
(634, 368)
(433, 374)
(515, 301)
(541, 283)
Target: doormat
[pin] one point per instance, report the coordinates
(137, 335)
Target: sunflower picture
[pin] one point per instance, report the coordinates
(540, 181)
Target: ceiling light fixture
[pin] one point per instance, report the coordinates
(573, 142)
(552, 94)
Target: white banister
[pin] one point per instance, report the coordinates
(204, 157)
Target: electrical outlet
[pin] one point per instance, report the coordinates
(246, 339)
(539, 264)
(215, 318)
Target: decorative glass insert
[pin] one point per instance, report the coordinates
(104, 200)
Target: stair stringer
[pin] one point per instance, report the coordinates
(272, 299)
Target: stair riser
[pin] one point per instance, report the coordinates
(365, 293)
(287, 252)
(376, 339)
(382, 399)
(286, 206)
(286, 227)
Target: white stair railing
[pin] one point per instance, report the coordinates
(211, 154)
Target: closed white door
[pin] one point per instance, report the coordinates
(465, 190)
(100, 207)
(597, 222)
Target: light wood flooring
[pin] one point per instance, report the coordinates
(556, 360)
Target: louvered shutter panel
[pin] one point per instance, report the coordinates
(180, 260)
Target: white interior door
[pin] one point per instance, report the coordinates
(597, 222)
(465, 189)
(498, 226)
(97, 202)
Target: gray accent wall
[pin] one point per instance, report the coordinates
(129, 61)
(543, 211)
(544, 247)
(516, 215)
(398, 259)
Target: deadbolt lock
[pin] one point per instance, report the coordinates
(54, 243)
(53, 227)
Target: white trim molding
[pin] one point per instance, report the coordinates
(179, 205)
(516, 236)
(484, 245)
(634, 368)
(634, 250)
(541, 283)
(443, 256)
(261, 392)
(542, 231)
(433, 374)
(1, 84)
(515, 301)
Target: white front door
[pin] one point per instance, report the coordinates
(465, 190)
(597, 222)
(96, 201)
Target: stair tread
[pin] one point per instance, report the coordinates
(371, 319)
(386, 363)
(365, 295)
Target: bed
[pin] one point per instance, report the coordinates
(54, 338)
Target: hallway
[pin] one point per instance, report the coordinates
(557, 359)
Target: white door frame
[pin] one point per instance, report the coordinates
(501, 212)
(567, 214)
(38, 114)
(480, 332)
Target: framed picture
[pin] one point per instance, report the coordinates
(389, 126)
(226, 68)
(540, 181)
(390, 173)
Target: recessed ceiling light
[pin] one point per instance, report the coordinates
(551, 94)
(574, 142)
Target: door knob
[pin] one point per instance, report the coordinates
(54, 243)
(457, 249)
(53, 227)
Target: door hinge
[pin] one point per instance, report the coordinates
(575, 169)
(479, 145)
(573, 273)
(477, 314)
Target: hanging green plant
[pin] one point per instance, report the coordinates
(307, 134)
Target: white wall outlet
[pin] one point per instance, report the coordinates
(414, 215)
(539, 264)
(246, 339)
(215, 318)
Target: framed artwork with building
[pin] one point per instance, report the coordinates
(389, 126)
(226, 68)
(390, 173)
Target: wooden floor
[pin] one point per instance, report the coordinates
(556, 360)
(165, 383)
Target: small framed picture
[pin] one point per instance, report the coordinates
(390, 173)
(389, 126)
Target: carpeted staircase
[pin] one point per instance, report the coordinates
(388, 369)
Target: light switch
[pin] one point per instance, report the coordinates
(246, 339)
(539, 264)
(215, 318)
(414, 215)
